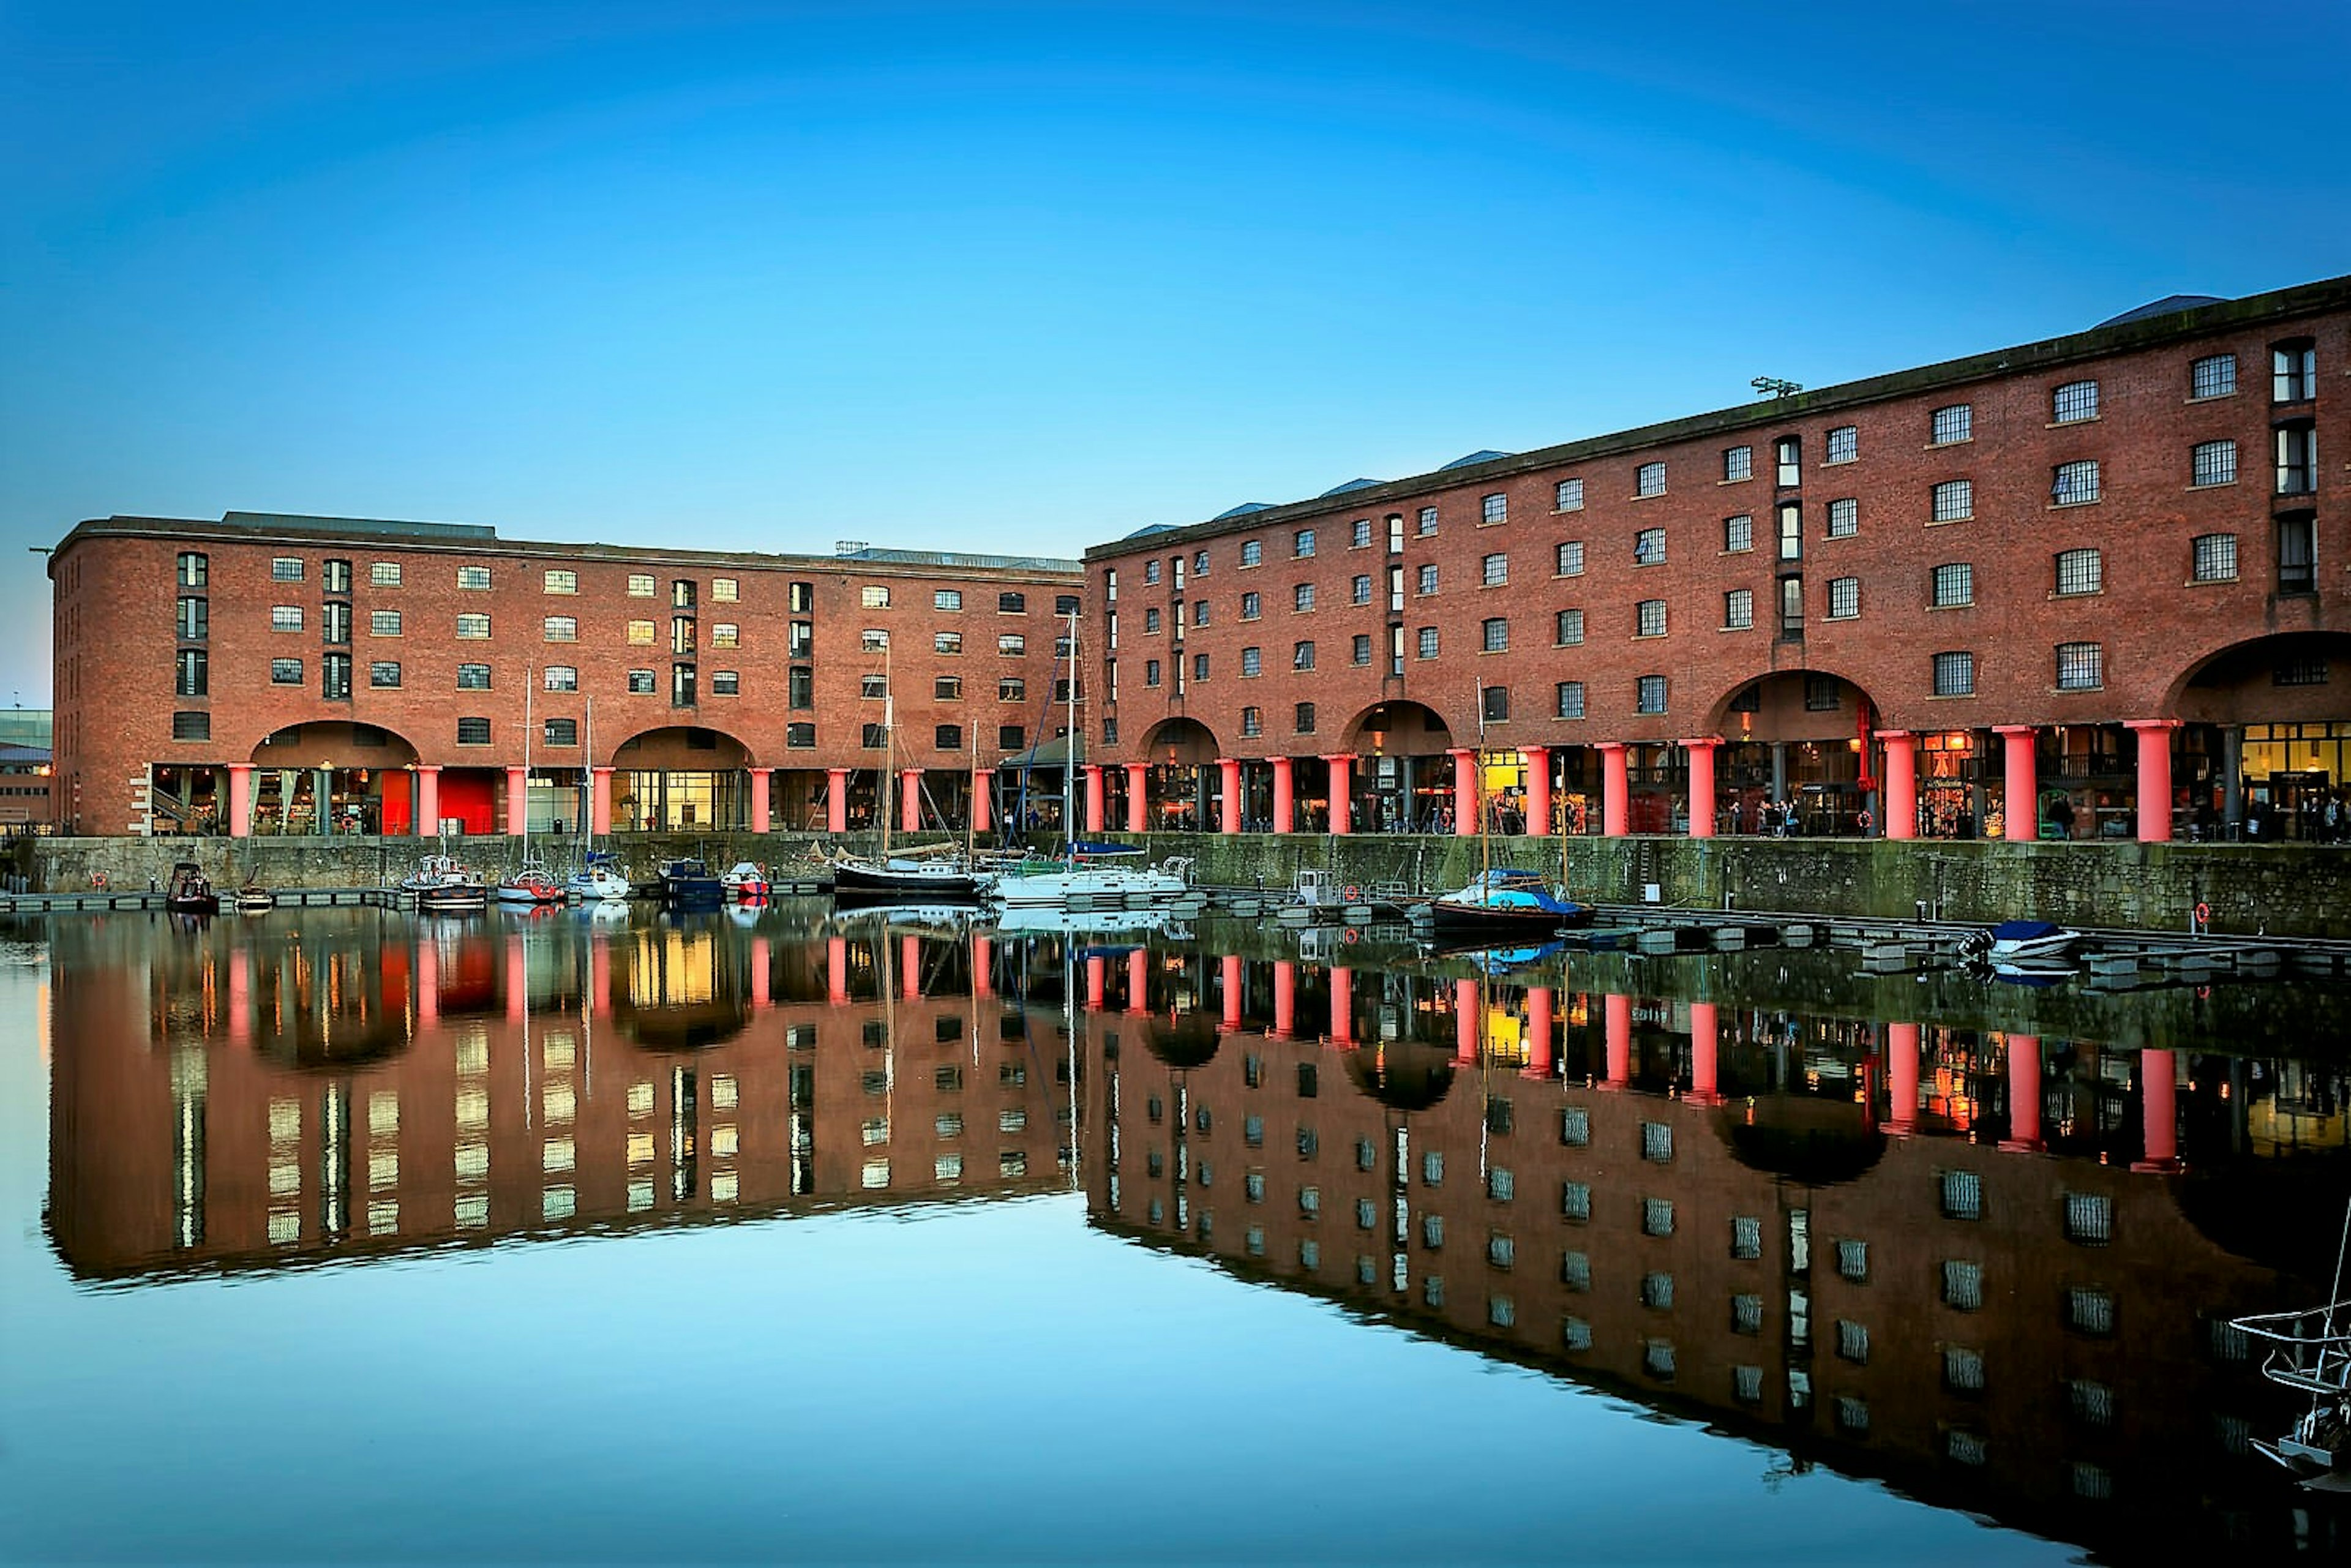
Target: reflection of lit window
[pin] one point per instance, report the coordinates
(724, 1094)
(641, 1197)
(384, 1170)
(473, 1210)
(285, 1178)
(383, 1216)
(949, 1126)
(876, 1174)
(641, 1146)
(725, 1140)
(473, 1161)
(1013, 1121)
(556, 1054)
(558, 1155)
(559, 1102)
(875, 1131)
(285, 1225)
(724, 1187)
(947, 1168)
(285, 1121)
(472, 1109)
(383, 1113)
(1012, 1163)
(558, 1203)
(474, 1055)
(640, 1099)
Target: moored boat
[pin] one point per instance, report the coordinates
(598, 881)
(530, 884)
(748, 880)
(1091, 875)
(2019, 942)
(252, 899)
(1504, 900)
(2310, 1353)
(688, 881)
(190, 891)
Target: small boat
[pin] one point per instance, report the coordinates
(190, 891)
(443, 885)
(600, 880)
(2018, 942)
(1092, 875)
(251, 899)
(688, 881)
(2310, 1353)
(1501, 900)
(905, 878)
(531, 883)
(748, 880)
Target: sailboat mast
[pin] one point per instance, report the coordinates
(1070, 745)
(529, 679)
(889, 748)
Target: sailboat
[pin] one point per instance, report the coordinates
(531, 883)
(1501, 900)
(933, 875)
(599, 878)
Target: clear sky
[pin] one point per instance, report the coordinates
(1028, 277)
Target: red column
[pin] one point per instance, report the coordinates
(982, 967)
(1902, 1078)
(1138, 808)
(1539, 1051)
(1285, 999)
(600, 800)
(760, 816)
(1228, 808)
(1342, 1006)
(1138, 980)
(1094, 796)
(517, 801)
(1097, 977)
(1615, 790)
(240, 800)
(910, 799)
(1465, 1022)
(910, 968)
(1620, 1041)
(2023, 808)
(428, 801)
(1342, 801)
(979, 787)
(836, 800)
(836, 969)
(2023, 1094)
(2159, 1105)
(1230, 984)
(2154, 777)
(428, 982)
(1901, 783)
(1465, 791)
(1538, 761)
(1285, 816)
(1702, 785)
(1705, 1046)
(762, 961)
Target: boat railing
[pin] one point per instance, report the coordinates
(2308, 1350)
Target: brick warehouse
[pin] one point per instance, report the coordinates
(2100, 569)
(2086, 572)
(307, 675)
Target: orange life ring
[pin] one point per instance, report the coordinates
(2203, 914)
(1354, 895)
(1350, 936)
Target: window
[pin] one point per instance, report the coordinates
(1649, 695)
(797, 736)
(1496, 636)
(193, 678)
(2080, 666)
(1428, 521)
(873, 596)
(2079, 571)
(725, 590)
(1494, 570)
(383, 622)
(2074, 403)
(1359, 535)
(1844, 518)
(1852, 1340)
(873, 688)
(473, 627)
(562, 629)
(1363, 589)
(1568, 561)
(1649, 479)
(1302, 718)
(473, 732)
(1302, 596)
(1955, 674)
(1200, 563)
(1955, 583)
(385, 574)
(2297, 459)
(1791, 609)
(1649, 547)
(2297, 540)
(192, 727)
(2216, 558)
(1963, 1286)
(195, 570)
(641, 635)
(1568, 699)
(1150, 574)
(1790, 516)
(2092, 1312)
(2074, 483)
(1746, 1237)
(1567, 629)
(473, 677)
(1360, 652)
(2293, 369)
(1428, 641)
(1199, 612)
(561, 678)
(286, 618)
(1251, 607)
(286, 569)
(1012, 643)
(1426, 580)
(1649, 618)
(1199, 668)
(385, 674)
(1738, 610)
(1844, 598)
(560, 732)
(1845, 443)
(1252, 721)
(1956, 423)
(194, 620)
(941, 599)
(641, 585)
(335, 622)
(559, 581)
(475, 578)
(1853, 1261)
(1788, 458)
(1738, 463)
(641, 683)
(1739, 533)
(1301, 657)
(947, 737)
(1822, 693)
(1494, 509)
(2215, 375)
(1301, 543)
(681, 685)
(1955, 499)
(946, 642)
(1151, 619)
(2213, 463)
(1150, 672)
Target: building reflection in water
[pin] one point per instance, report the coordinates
(1993, 1268)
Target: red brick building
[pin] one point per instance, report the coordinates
(311, 674)
(2106, 570)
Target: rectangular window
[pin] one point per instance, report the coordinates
(2074, 483)
(335, 622)
(873, 596)
(1252, 721)
(2081, 667)
(2074, 403)
(473, 732)
(383, 622)
(1650, 547)
(559, 732)
(1494, 570)
(1738, 463)
(799, 737)
(1427, 520)
(559, 581)
(947, 737)
(195, 570)
(2215, 375)
(1845, 443)
(473, 677)
(1567, 629)
(1649, 695)
(286, 569)
(1955, 583)
(1649, 479)
(683, 686)
(2214, 463)
(1301, 543)
(383, 674)
(1823, 694)
(641, 683)
(1150, 672)
(473, 627)
(335, 576)
(1844, 598)
(873, 688)
(1150, 619)
(1791, 609)
(641, 585)
(562, 629)
(1012, 643)
(1301, 657)
(1955, 499)
(2293, 369)
(1497, 635)
(335, 677)
(1844, 518)
(286, 618)
(1568, 498)
(726, 634)
(192, 727)
(385, 574)
(2297, 459)
(1568, 561)
(1955, 674)
(1363, 589)
(1199, 612)
(1739, 533)
(1494, 509)
(1791, 515)
(562, 677)
(1649, 618)
(2216, 558)
(947, 643)
(1568, 699)
(2297, 543)
(1746, 1237)
(1788, 458)
(1428, 641)
(474, 578)
(642, 632)
(725, 590)
(1425, 582)
(1956, 423)
(1251, 607)
(194, 676)
(941, 599)
(1302, 718)
(1738, 610)
(1199, 670)
(2079, 571)
(1360, 535)
(1361, 653)
(1495, 705)
(1302, 596)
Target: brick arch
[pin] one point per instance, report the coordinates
(331, 743)
(1784, 715)
(664, 747)
(2236, 682)
(1407, 728)
(1191, 740)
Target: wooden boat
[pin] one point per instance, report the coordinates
(190, 891)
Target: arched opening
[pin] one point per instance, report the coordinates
(1181, 784)
(327, 776)
(1402, 780)
(2265, 748)
(681, 779)
(679, 988)
(1798, 759)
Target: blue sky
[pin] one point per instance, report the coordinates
(1027, 277)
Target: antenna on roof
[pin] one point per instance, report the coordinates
(1772, 386)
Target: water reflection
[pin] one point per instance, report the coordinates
(1990, 1266)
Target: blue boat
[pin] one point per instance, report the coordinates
(1506, 900)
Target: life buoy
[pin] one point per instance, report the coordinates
(2203, 914)
(1354, 895)
(1350, 936)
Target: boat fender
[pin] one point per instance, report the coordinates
(1350, 936)
(1354, 895)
